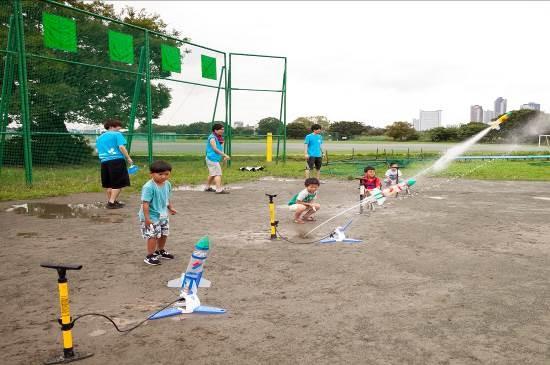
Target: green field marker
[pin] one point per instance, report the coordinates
(208, 66)
(171, 59)
(59, 32)
(121, 47)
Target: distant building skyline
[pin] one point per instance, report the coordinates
(500, 106)
(488, 116)
(531, 106)
(429, 119)
(476, 113)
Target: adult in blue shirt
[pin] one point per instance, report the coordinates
(112, 153)
(313, 152)
(214, 154)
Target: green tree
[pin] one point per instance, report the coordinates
(401, 131)
(347, 129)
(374, 131)
(243, 131)
(309, 121)
(441, 134)
(297, 129)
(61, 92)
(269, 124)
(468, 130)
(198, 128)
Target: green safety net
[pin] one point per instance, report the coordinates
(208, 66)
(121, 47)
(59, 32)
(171, 59)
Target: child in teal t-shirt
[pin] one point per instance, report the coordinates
(153, 215)
(302, 204)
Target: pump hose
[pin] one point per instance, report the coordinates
(127, 329)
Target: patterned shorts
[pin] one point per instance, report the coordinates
(155, 230)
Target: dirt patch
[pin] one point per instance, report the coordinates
(458, 280)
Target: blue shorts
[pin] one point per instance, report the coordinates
(155, 230)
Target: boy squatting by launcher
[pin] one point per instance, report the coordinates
(302, 203)
(153, 215)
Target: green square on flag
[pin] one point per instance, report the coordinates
(171, 60)
(208, 65)
(121, 47)
(59, 32)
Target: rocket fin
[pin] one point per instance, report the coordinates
(177, 282)
(347, 225)
(351, 240)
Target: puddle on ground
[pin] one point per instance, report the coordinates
(271, 178)
(541, 198)
(64, 211)
(202, 187)
(436, 197)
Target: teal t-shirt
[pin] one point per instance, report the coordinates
(304, 196)
(314, 142)
(158, 198)
(210, 153)
(107, 146)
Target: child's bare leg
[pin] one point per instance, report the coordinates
(299, 210)
(114, 195)
(318, 174)
(151, 245)
(218, 182)
(310, 211)
(209, 181)
(161, 242)
(307, 173)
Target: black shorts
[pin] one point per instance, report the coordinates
(114, 174)
(317, 161)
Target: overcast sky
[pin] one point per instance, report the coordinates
(374, 62)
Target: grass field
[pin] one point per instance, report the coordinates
(191, 170)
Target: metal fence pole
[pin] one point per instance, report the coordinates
(23, 91)
(135, 100)
(7, 83)
(148, 98)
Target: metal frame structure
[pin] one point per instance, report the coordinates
(546, 138)
(15, 50)
(282, 110)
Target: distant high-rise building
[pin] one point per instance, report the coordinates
(429, 119)
(416, 124)
(500, 106)
(238, 124)
(488, 116)
(531, 106)
(476, 113)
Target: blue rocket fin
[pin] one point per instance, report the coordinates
(351, 240)
(174, 311)
(177, 282)
(347, 225)
(327, 240)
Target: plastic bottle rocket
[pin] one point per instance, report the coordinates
(377, 195)
(394, 189)
(503, 118)
(193, 274)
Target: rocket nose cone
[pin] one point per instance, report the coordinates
(411, 182)
(203, 243)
